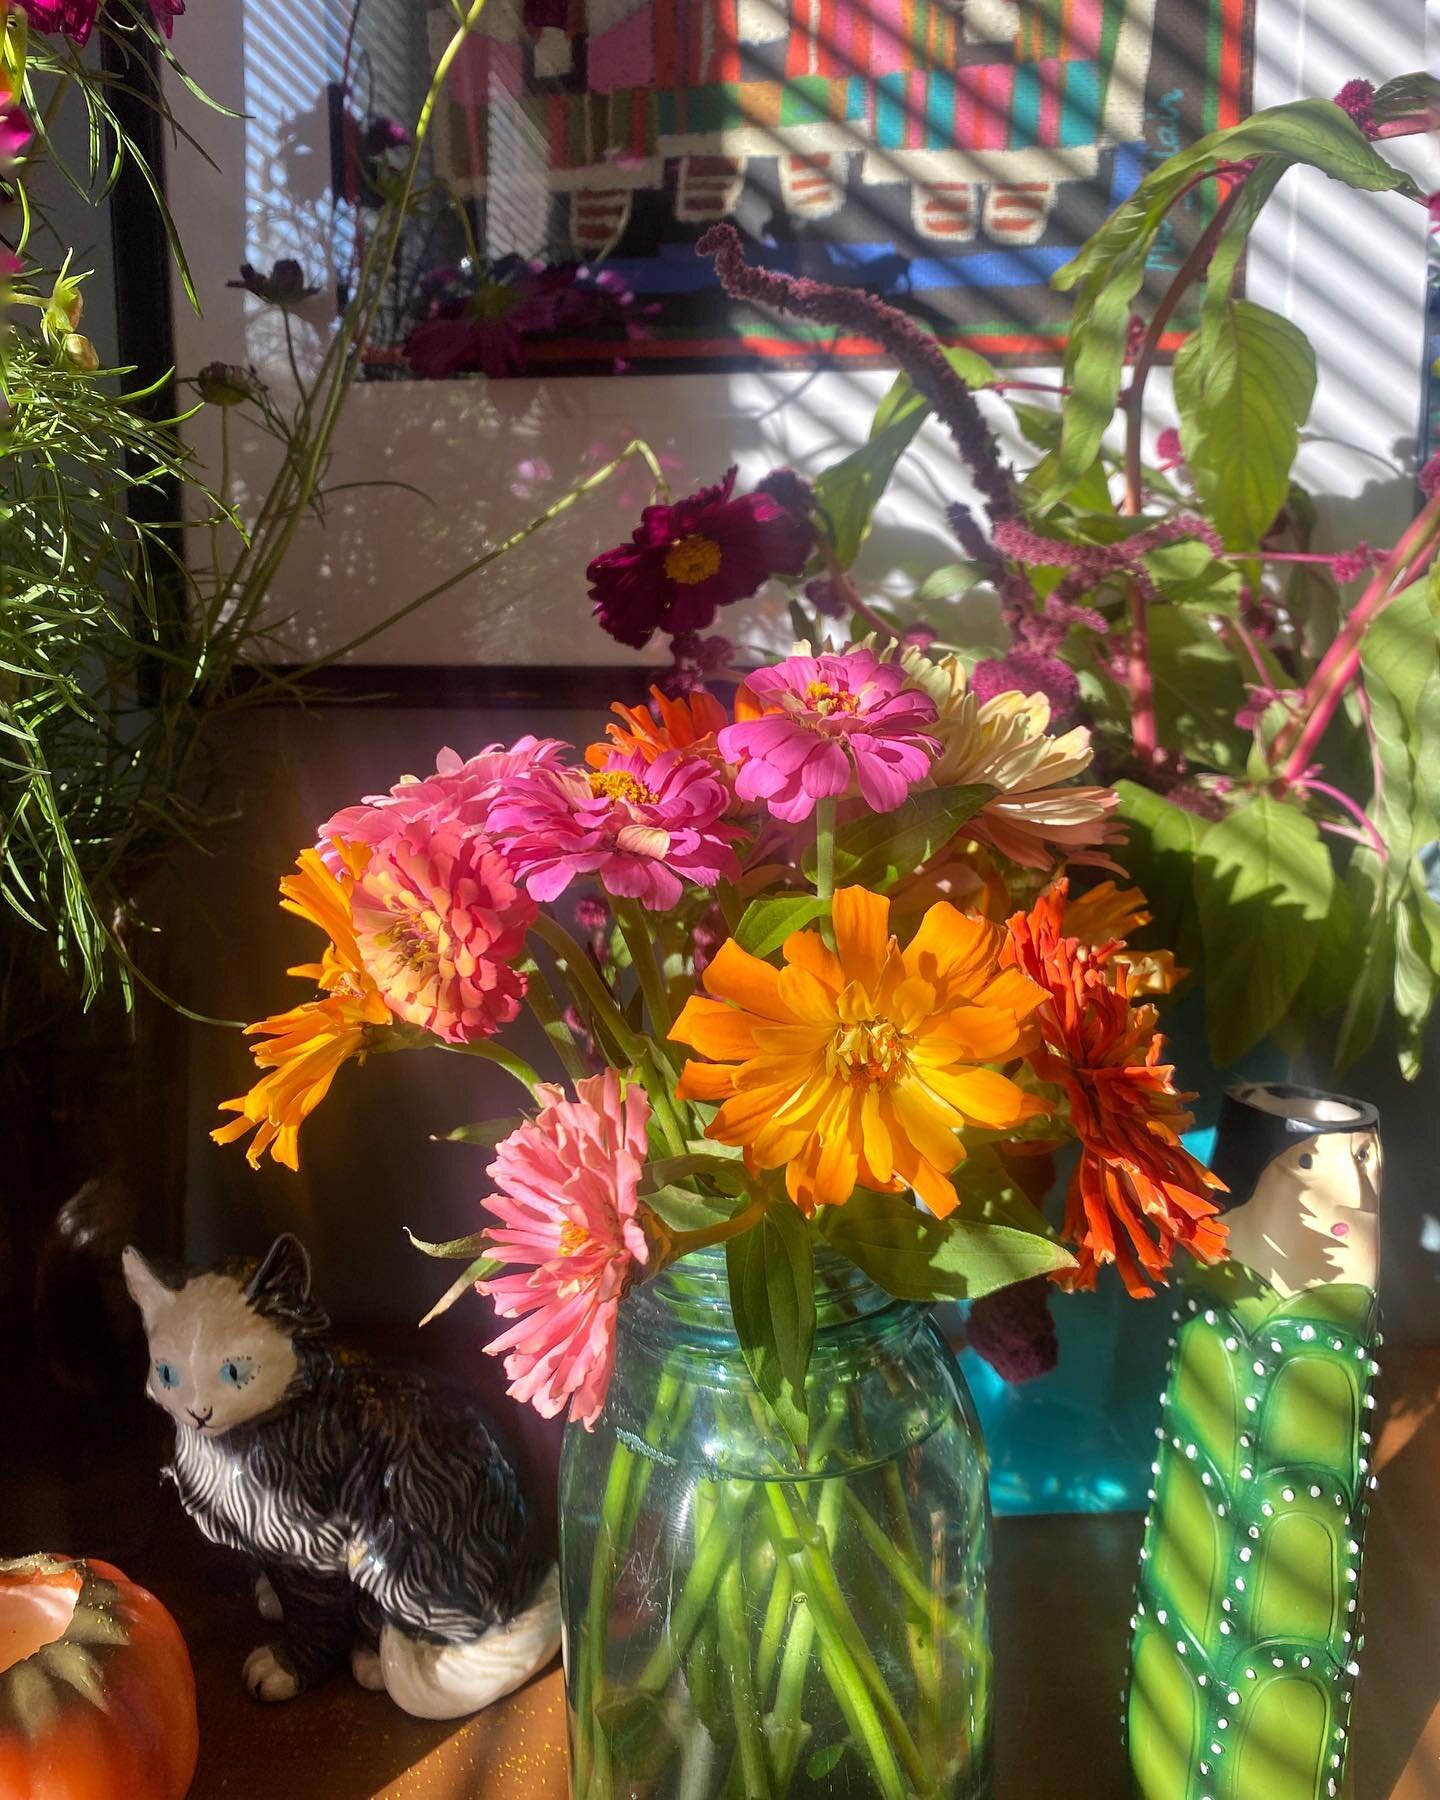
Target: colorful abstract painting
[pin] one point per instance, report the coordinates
(948, 154)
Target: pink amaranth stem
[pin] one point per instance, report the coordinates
(1340, 664)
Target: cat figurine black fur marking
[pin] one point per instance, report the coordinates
(384, 1522)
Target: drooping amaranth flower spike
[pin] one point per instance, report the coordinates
(572, 1240)
(814, 727)
(917, 353)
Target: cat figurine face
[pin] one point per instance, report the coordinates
(223, 1346)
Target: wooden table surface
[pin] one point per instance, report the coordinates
(1060, 1606)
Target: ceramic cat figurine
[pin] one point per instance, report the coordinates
(385, 1524)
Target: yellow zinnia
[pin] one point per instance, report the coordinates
(858, 1065)
(311, 1041)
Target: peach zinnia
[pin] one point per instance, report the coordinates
(860, 1065)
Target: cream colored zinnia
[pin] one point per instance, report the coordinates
(1035, 819)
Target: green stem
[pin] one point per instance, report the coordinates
(735, 1648)
(712, 1554)
(642, 954)
(844, 1650)
(587, 989)
(504, 1059)
(543, 1005)
(825, 848)
(595, 1630)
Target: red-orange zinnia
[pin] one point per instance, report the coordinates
(1137, 1193)
(858, 1066)
(686, 722)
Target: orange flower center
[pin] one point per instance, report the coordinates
(615, 784)
(692, 560)
(826, 700)
(872, 1052)
(573, 1238)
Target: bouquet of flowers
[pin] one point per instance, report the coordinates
(824, 987)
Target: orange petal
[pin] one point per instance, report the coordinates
(808, 950)
(989, 1099)
(807, 997)
(954, 953)
(862, 934)
(734, 974)
(715, 1029)
(710, 1082)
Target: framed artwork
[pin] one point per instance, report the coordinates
(949, 155)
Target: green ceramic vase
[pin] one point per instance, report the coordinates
(1247, 1626)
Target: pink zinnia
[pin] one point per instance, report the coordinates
(811, 724)
(458, 793)
(643, 829)
(570, 1226)
(438, 920)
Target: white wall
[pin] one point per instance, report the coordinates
(1348, 268)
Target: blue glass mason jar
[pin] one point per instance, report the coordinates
(747, 1620)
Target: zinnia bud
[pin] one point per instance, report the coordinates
(80, 353)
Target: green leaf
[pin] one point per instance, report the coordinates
(712, 1164)
(1198, 689)
(1188, 573)
(916, 1257)
(767, 922)
(1243, 393)
(488, 1132)
(879, 849)
(453, 1247)
(772, 1297)
(1407, 97)
(1371, 990)
(481, 1269)
(1338, 956)
(1108, 271)
(682, 1209)
(849, 491)
(947, 583)
(1415, 985)
(818, 1766)
(1263, 889)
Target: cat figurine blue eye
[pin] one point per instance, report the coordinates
(384, 1523)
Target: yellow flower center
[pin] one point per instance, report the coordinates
(826, 700)
(872, 1051)
(692, 560)
(616, 784)
(414, 939)
(573, 1238)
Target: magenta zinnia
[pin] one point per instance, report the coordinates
(812, 726)
(686, 559)
(438, 921)
(642, 829)
(570, 1227)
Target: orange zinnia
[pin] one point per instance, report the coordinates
(311, 1041)
(1137, 1193)
(687, 722)
(1102, 918)
(857, 1066)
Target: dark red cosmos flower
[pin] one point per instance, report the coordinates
(689, 558)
